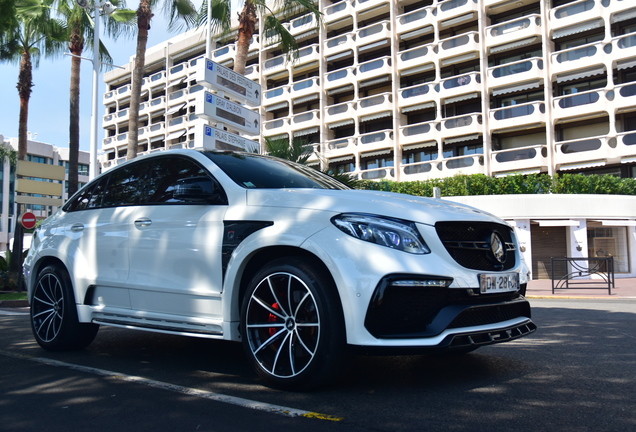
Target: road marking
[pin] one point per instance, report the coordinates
(218, 397)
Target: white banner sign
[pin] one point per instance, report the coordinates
(233, 115)
(220, 78)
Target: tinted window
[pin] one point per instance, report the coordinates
(254, 171)
(125, 186)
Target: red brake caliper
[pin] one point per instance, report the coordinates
(273, 318)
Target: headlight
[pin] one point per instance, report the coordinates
(392, 233)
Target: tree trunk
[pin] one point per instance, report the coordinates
(246, 28)
(144, 15)
(76, 48)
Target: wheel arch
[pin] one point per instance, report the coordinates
(261, 257)
(43, 263)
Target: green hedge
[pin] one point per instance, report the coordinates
(480, 184)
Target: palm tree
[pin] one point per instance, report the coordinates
(33, 33)
(80, 25)
(175, 10)
(273, 12)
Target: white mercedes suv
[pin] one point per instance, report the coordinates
(295, 265)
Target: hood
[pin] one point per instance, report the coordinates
(401, 206)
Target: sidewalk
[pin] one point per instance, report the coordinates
(623, 288)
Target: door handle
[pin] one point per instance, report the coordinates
(142, 223)
(78, 227)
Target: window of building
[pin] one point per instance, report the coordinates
(604, 242)
(419, 155)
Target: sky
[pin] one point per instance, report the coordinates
(49, 103)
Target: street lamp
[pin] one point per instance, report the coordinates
(100, 8)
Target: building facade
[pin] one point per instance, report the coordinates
(413, 90)
(39, 152)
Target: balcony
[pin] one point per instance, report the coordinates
(109, 97)
(453, 12)
(385, 173)
(224, 54)
(514, 33)
(340, 77)
(109, 120)
(625, 97)
(416, 56)
(363, 7)
(303, 24)
(178, 71)
(155, 80)
(512, 74)
(376, 141)
(522, 159)
(339, 47)
(308, 57)
(305, 120)
(271, 37)
(626, 148)
(374, 68)
(461, 125)
(516, 116)
(583, 153)
(177, 97)
(339, 148)
(275, 64)
(584, 104)
(338, 11)
(623, 47)
(461, 165)
(340, 114)
(253, 72)
(575, 13)
(375, 104)
(459, 85)
(373, 35)
(419, 132)
(421, 170)
(156, 104)
(277, 126)
(417, 95)
(305, 90)
(460, 48)
(155, 130)
(122, 116)
(416, 23)
(580, 58)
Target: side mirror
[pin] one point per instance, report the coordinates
(200, 190)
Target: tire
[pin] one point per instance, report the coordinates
(53, 314)
(292, 326)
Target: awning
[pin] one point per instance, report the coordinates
(175, 109)
(462, 138)
(458, 20)
(628, 159)
(177, 134)
(418, 107)
(420, 145)
(598, 70)
(304, 132)
(591, 164)
(515, 44)
(626, 64)
(578, 28)
(376, 116)
(462, 97)
(342, 89)
(276, 106)
(340, 55)
(340, 123)
(422, 68)
(306, 98)
(617, 222)
(177, 81)
(278, 137)
(377, 153)
(624, 16)
(341, 159)
(557, 223)
(373, 45)
(512, 89)
(374, 81)
(417, 33)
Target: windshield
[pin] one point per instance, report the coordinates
(254, 171)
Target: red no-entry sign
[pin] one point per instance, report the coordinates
(28, 220)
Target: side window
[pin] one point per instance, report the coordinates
(125, 186)
(165, 174)
(81, 200)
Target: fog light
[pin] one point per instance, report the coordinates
(422, 283)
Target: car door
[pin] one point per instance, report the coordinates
(175, 244)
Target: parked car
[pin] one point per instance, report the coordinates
(295, 265)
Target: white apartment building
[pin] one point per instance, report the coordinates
(414, 90)
(39, 152)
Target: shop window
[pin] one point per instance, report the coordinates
(609, 241)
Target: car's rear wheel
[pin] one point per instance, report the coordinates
(53, 315)
(292, 325)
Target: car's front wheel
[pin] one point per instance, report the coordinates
(292, 325)
(53, 314)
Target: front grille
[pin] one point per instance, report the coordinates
(469, 244)
(399, 312)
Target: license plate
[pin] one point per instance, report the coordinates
(496, 283)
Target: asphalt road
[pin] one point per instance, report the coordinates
(576, 373)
